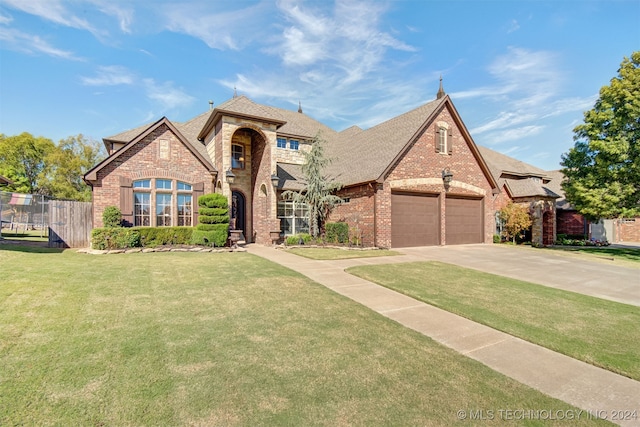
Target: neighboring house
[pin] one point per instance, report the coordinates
(416, 179)
(527, 185)
(571, 222)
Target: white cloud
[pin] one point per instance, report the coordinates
(5, 19)
(52, 10)
(220, 29)
(28, 43)
(124, 14)
(110, 76)
(166, 94)
(513, 134)
(513, 26)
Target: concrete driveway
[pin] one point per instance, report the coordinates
(599, 278)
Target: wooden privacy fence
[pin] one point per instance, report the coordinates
(70, 224)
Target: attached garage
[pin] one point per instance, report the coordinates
(415, 220)
(463, 221)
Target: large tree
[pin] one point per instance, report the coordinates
(22, 160)
(319, 188)
(66, 165)
(602, 170)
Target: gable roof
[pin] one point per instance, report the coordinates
(556, 186)
(91, 175)
(519, 178)
(380, 146)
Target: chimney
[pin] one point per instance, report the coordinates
(210, 105)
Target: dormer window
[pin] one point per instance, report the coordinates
(294, 144)
(237, 156)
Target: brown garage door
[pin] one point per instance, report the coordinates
(415, 220)
(463, 221)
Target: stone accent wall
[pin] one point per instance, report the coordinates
(287, 155)
(148, 158)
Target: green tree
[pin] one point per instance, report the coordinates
(319, 188)
(515, 219)
(602, 170)
(22, 160)
(66, 165)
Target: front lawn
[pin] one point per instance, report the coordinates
(628, 255)
(220, 339)
(603, 333)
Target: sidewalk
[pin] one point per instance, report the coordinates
(577, 383)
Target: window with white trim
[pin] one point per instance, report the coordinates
(294, 217)
(142, 209)
(442, 140)
(294, 144)
(281, 142)
(163, 209)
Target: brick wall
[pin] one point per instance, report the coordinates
(147, 159)
(570, 222)
(358, 212)
(629, 230)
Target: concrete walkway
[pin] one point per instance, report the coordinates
(585, 386)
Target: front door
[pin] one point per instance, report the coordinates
(237, 211)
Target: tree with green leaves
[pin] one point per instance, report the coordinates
(319, 188)
(602, 170)
(22, 160)
(67, 164)
(515, 219)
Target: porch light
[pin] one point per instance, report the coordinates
(447, 176)
(275, 180)
(231, 178)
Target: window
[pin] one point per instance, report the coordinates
(185, 213)
(163, 210)
(163, 184)
(173, 201)
(237, 156)
(294, 144)
(142, 209)
(282, 143)
(294, 217)
(442, 140)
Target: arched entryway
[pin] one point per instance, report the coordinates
(547, 228)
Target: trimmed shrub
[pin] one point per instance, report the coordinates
(158, 236)
(114, 238)
(295, 240)
(214, 237)
(337, 232)
(212, 211)
(497, 238)
(112, 217)
(213, 220)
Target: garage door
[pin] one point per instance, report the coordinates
(463, 221)
(415, 220)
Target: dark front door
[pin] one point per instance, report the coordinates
(237, 211)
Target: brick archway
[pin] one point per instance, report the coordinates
(547, 228)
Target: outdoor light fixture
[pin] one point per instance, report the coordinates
(214, 176)
(231, 178)
(274, 180)
(447, 176)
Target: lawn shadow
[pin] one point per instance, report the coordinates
(29, 247)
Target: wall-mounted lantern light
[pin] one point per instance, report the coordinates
(275, 180)
(447, 176)
(231, 178)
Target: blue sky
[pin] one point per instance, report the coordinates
(520, 73)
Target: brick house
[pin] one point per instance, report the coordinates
(416, 179)
(526, 185)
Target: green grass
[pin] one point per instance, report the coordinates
(22, 235)
(219, 339)
(630, 255)
(337, 253)
(600, 332)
